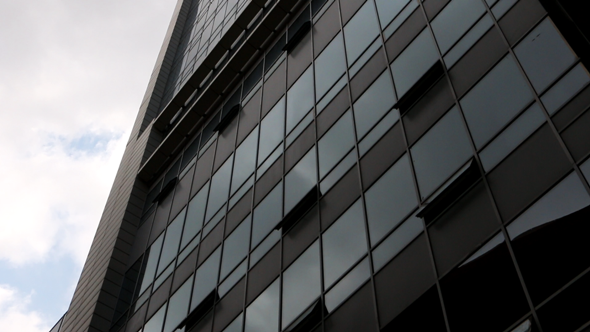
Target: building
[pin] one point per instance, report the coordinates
(351, 165)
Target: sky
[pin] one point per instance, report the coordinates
(72, 77)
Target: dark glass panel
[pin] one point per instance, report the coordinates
(268, 181)
(355, 278)
(566, 88)
(263, 314)
(413, 318)
(368, 73)
(457, 17)
(301, 236)
(461, 229)
(300, 99)
(397, 241)
(238, 212)
(272, 131)
(194, 216)
(150, 263)
(531, 169)
(185, 269)
(577, 137)
(569, 310)
(171, 242)
(544, 55)
(298, 60)
(299, 147)
(550, 238)
(357, 314)
(405, 34)
(433, 7)
(336, 143)
(181, 193)
(520, 19)
(329, 66)
(404, 279)
(274, 89)
(382, 155)
(211, 242)
(477, 61)
(344, 243)
(360, 31)
(484, 292)
(390, 199)
(301, 284)
(349, 8)
(263, 273)
(440, 152)
(161, 218)
(428, 110)
(339, 198)
(205, 279)
(495, 100)
(267, 214)
(326, 28)
(249, 116)
(159, 296)
(245, 160)
(373, 104)
(388, 10)
(300, 179)
(235, 248)
(203, 170)
(231, 305)
(333, 111)
(154, 324)
(178, 306)
(226, 141)
(219, 189)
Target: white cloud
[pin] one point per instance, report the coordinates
(15, 314)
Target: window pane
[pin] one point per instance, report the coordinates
(267, 214)
(567, 87)
(206, 278)
(194, 215)
(348, 284)
(360, 31)
(235, 247)
(567, 197)
(219, 188)
(300, 180)
(344, 243)
(272, 129)
(396, 242)
(300, 99)
(245, 160)
(454, 20)
(336, 143)
(390, 199)
(585, 168)
(301, 284)
(440, 152)
(413, 62)
(152, 262)
(263, 314)
(155, 323)
(495, 100)
(544, 55)
(329, 66)
(373, 104)
(178, 306)
(171, 241)
(388, 9)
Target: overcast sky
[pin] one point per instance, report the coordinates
(72, 76)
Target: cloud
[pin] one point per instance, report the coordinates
(15, 314)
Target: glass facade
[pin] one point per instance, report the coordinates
(465, 209)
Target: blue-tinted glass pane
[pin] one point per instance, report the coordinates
(390, 199)
(267, 214)
(440, 152)
(219, 188)
(262, 315)
(566, 88)
(585, 168)
(544, 55)
(329, 66)
(414, 62)
(300, 99)
(272, 129)
(245, 160)
(347, 285)
(360, 31)
(344, 243)
(454, 20)
(301, 284)
(336, 143)
(373, 104)
(155, 323)
(300, 180)
(396, 242)
(495, 100)
(195, 214)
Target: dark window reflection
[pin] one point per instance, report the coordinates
(484, 293)
(550, 239)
